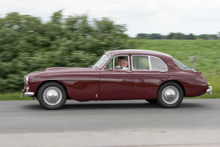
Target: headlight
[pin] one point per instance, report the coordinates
(26, 80)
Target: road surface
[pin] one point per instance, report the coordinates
(195, 122)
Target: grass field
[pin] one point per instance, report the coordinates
(13, 96)
(207, 53)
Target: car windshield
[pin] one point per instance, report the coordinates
(102, 61)
(181, 65)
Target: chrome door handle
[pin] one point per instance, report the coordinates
(128, 71)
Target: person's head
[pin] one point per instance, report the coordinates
(119, 59)
(124, 62)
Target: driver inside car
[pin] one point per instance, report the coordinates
(124, 64)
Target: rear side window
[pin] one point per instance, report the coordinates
(181, 65)
(157, 64)
(140, 62)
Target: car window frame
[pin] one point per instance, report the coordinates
(104, 64)
(162, 62)
(137, 69)
(182, 63)
(150, 66)
(129, 69)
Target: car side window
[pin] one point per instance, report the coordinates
(109, 66)
(140, 62)
(121, 62)
(181, 65)
(118, 63)
(157, 64)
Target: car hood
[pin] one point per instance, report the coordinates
(61, 72)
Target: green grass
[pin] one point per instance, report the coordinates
(13, 96)
(207, 52)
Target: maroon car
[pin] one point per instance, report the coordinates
(119, 75)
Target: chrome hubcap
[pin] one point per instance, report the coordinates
(170, 94)
(52, 95)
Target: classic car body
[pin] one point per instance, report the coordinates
(164, 77)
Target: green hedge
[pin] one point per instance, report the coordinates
(27, 44)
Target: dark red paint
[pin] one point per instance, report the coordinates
(85, 84)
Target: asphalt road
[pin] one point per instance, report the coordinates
(195, 122)
(29, 116)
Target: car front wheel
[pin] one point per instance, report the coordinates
(52, 95)
(170, 95)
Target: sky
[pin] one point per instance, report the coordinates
(139, 16)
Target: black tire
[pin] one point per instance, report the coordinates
(170, 95)
(52, 95)
(154, 101)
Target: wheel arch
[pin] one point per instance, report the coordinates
(52, 81)
(181, 85)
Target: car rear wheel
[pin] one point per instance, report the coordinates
(52, 95)
(170, 95)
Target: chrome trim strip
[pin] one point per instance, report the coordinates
(22, 93)
(31, 94)
(26, 80)
(150, 63)
(114, 80)
(113, 66)
(209, 90)
(74, 79)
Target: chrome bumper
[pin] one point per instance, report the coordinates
(209, 90)
(31, 94)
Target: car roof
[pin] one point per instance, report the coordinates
(136, 52)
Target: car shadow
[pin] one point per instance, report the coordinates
(111, 106)
(120, 105)
(192, 105)
(86, 106)
(33, 107)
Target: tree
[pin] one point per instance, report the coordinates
(143, 36)
(27, 44)
(190, 36)
(155, 36)
(170, 36)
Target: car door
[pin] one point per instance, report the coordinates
(115, 84)
(148, 74)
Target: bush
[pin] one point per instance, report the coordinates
(27, 44)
